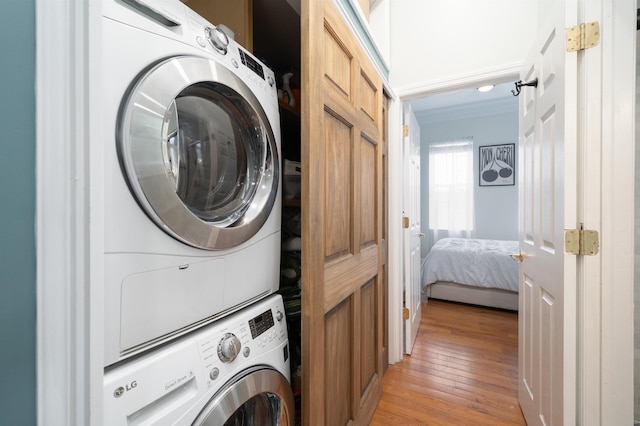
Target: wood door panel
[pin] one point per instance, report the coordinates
(338, 231)
(527, 147)
(547, 324)
(338, 364)
(368, 202)
(368, 333)
(548, 194)
(368, 97)
(345, 277)
(527, 368)
(342, 315)
(337, 63)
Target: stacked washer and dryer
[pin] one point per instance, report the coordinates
(194, 333)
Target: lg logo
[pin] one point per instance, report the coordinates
(122, 389)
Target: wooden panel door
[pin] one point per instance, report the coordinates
(548, 206)
(342, 218)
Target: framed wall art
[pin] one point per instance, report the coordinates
(498, 165)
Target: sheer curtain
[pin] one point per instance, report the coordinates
(451, 185)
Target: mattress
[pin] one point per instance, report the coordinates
(473, 262)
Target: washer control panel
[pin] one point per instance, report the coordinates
(261, 323)
(251, 63)
(195, 365)
(238, 339)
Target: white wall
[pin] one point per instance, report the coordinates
(636, 398)
(438, 40)
(380, 24)
(496, 207)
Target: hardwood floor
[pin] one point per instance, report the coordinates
(463, 371)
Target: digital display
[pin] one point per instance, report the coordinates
(251, 63)
(261, 323)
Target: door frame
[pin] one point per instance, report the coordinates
(608, 356)
(69, 190)
(396, 111)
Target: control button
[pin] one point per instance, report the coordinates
(234, 62)
(214, 373)
(229, 348)
(279, 314)
(218, 39)
(201, 41)
(246, 351)
(271, 82)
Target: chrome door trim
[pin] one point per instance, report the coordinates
(139, 142)
(252, 382)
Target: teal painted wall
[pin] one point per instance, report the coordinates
(359, 28)
(17, 214)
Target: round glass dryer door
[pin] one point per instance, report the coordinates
(258, 397)
(199, 153)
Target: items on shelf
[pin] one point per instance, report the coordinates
(287, 94)
(291, 184)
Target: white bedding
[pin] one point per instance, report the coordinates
(479, 263)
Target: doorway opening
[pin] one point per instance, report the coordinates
(489, 118)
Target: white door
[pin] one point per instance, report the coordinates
(548, 206)
(412, 234)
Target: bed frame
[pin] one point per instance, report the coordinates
(491, 297)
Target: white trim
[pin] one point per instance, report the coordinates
(618, 64)
(395, 251)
(589, 213)
(67, 374)
(501, 74)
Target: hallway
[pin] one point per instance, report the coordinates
(463, 370)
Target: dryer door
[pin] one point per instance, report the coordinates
(198, 152)
(259, 397)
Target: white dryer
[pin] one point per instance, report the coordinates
(191, 138)
(232, 372)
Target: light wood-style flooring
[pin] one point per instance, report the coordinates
(463, 371)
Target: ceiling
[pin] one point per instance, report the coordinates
(466, 102)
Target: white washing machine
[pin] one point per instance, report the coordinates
(191, 138)
(232, 372)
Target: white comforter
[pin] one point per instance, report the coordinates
(480, 263)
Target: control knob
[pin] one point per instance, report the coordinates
(229, 348)
(218, 39)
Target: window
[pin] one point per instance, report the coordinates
(451, 209)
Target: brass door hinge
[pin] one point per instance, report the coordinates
(581, 242)
(583, 36)
(405, 130)
(405, 222)
(405, 313)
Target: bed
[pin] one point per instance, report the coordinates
(474, 271)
